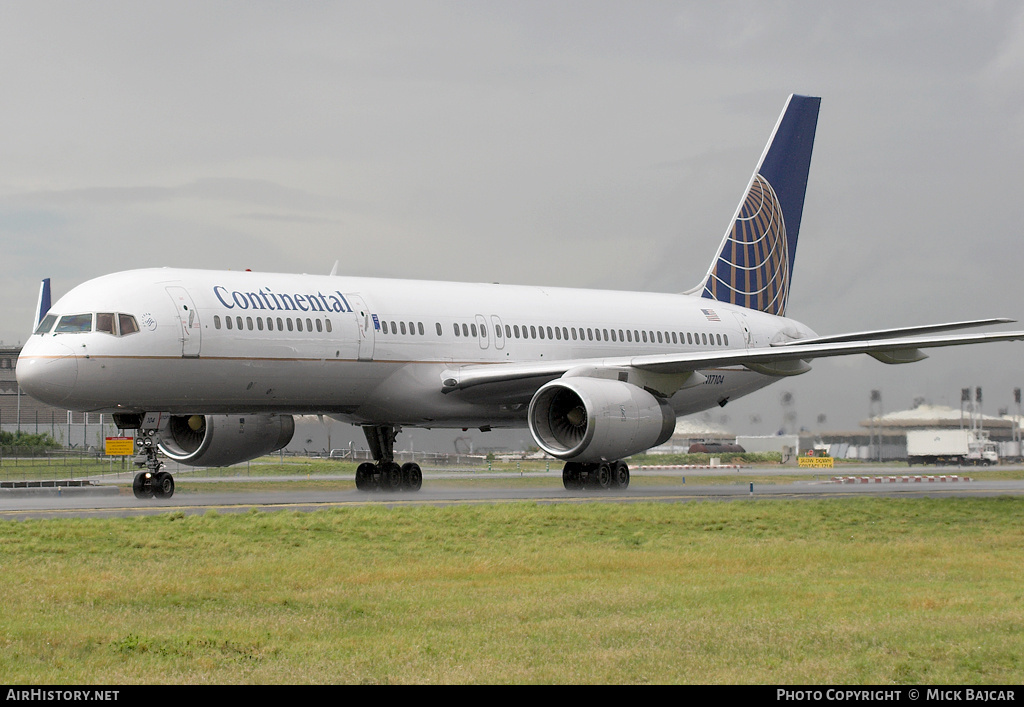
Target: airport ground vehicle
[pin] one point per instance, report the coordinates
(941, 447)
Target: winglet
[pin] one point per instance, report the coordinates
(754, 264)
(43, 302)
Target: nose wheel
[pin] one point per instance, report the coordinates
(159, 485)
(153, 482)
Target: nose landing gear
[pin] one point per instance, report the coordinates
(153, 482)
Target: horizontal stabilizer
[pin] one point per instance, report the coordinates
(894, 333)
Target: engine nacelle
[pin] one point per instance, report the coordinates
(594, 419)
(223, 440)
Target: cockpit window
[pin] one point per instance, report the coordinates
(128, 324)
(105, 323)
(74, 324)
(47, 324)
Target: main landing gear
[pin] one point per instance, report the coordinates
(603, 476)
(153, 482)
(384, 473)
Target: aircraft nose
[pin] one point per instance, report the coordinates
(48, 376)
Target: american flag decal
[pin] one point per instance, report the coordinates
(710, 314)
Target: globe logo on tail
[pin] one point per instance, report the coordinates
(753, 266)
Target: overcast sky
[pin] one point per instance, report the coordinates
(587, 144)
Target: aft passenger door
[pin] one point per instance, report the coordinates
(188, 318)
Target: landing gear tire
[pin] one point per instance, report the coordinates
(142, 485)
(572, 476)
(364, 476)
(412, 476)
(163, 485)
(620, 475)
(602, 477)
(391, 476)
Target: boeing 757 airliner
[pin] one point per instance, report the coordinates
(210, 366)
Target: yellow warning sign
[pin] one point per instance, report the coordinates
(816, 462)
(120, 446)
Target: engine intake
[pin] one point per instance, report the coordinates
(595, 419)
(223, 440)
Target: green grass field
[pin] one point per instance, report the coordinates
(852, 591)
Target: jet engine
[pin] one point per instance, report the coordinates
(594, 419)
(223, 440)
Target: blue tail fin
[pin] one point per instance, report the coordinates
(42, 302)
(755, 261)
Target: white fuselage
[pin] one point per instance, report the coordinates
(363, 350)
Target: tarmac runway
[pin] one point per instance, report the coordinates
(680, 486)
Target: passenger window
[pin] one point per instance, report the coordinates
(248, 320)
(74, 324)
(270, 324)
(105, 322)
(280, 324)
(457, 333)
(465, 330)
(319, 325)
(298, 324)
(327, 323)
(216, 321)
(259, 323)
(412, 328)
(384, 326)
(403, 327)
(725, 338)
(309, 324)
(438, 325)
(227, 320)
(419, 326)
(472, 327)
(46, 324)
(288, 321)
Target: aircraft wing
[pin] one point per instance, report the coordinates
(789, 358)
